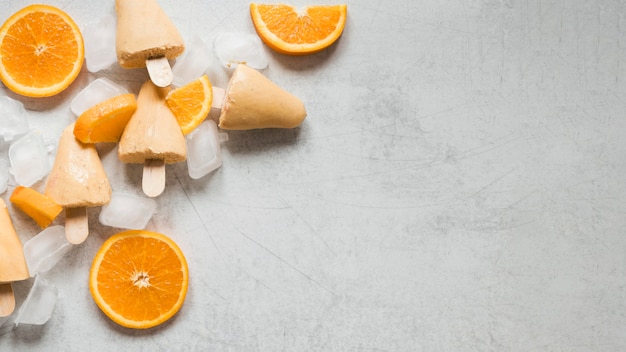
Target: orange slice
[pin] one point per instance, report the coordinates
(105, 121)
(289, 31)
(36, 205)
(191, 103)
(139, 278)
(41, 51)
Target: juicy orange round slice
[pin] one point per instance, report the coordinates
(139, 278)
(41, 51)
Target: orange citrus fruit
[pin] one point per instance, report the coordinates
(105, 121)
(38, 206)
(191, 103)
(41, 51)
(289, 31)
(139, 278)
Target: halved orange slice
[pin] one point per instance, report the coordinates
(105, 121)
(191, 103)
(289, 31)
(36, 205)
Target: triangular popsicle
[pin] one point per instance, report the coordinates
(12, 261)
(152, 137)
(77, 181)
(253, 101)
(146, 37)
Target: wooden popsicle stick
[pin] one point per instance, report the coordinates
(153, 179)
(218, 97)
(76, 225)
(7, 299)
(160, 71)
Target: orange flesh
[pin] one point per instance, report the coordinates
(36, 205)
(139, 279)
(41, 51)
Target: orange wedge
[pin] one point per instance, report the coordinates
(191, 103)
(36, 205)
(41, 51)
(289, 31)
(105, 121)
(139, 278)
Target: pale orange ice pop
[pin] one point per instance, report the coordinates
(253, 101)
(77, 181)
(12, 261)
(152, 137)
(146, 37)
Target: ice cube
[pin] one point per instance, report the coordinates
(39, 304)
(4, 175)
(12, 118)
(127, 211)
(193, 63)
(234, 48)
(29, 158)
(96, 92)
(43, 251)
(203, 149)
(99, 38)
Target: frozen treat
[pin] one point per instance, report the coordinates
(77, 178)
(152, 132)
(144, 32)
(77, 181)
(152, 137)
(253, 101)
(12, 261)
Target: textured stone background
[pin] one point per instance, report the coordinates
(459, 185)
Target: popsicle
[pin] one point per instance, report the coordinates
(146, 37)
(77, 181)
(152, 137)
(12, 261)
(252, 101)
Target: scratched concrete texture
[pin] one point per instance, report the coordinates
(459, 184)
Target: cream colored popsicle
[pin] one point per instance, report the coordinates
(253, 101)
(146, 37)
(12, 262)
(77, 181)
(152, 137)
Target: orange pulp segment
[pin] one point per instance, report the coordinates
(191, 103)
(105, 121)
(289, 31)
(139, 278)
(41, 51)
(38, 206)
